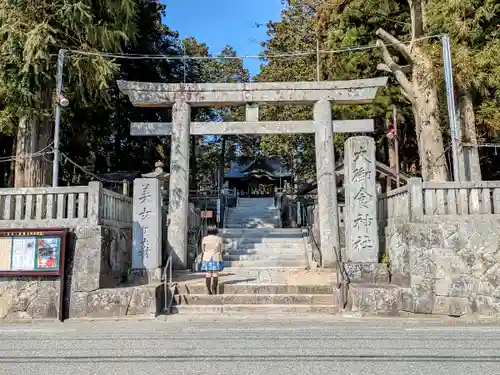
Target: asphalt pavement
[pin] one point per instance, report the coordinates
(252, 345)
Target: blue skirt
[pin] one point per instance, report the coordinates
(211, 265)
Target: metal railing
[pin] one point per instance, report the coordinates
(225, 211)
(197, 244)
(342, 277)
(169, 286)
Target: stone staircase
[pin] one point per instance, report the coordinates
(266, 269)
(253, 213)
(267, 272)
(262, 247)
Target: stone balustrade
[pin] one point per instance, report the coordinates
(116, 207)
(462, 198)
(430, 199)
(394, 204)
(68, 206)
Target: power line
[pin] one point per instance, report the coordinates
(42, 154)
(492, 145)
(85, 171)
(132, 56)
(28, 156)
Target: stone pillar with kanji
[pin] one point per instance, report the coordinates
(147, 231)
(361, 229)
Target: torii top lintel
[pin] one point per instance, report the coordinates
(145, 94)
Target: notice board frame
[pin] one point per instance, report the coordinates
(61, 233)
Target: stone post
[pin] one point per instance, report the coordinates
(179, 184)
(327, 187)
(361, 227)
(146, 230)
(416, 198)
(94, 202)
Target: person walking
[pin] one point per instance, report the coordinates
(211, 258)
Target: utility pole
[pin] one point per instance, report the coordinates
(396, 142)
(450, 96)
(318, 64)
(57, 125)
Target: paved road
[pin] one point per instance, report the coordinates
(286, 346)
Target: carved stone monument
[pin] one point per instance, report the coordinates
(147, 223)
(361, 201)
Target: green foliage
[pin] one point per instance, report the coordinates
(334, 26)
(475, 40)
(474, 32)
(31, 33)
(98, 137)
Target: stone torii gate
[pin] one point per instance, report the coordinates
(181, 97)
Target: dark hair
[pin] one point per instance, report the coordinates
(212, 230)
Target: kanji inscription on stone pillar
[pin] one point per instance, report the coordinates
(146, 231)
(361, 200)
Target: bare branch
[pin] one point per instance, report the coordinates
(417, 19)
(397, 71)
(394, 42)
(405, 94)
(384, 67)
(405, 68)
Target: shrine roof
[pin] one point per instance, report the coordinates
(272, 167)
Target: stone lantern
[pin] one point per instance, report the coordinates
(163, 176)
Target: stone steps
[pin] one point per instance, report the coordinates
(264, 244)
(247, 221)
(263, 237)
(266, 263)
(269, 246)
(270, 251)
(266, 289)
(265, 269)
(260, 232)
(249, 225)
(236, 257)
(256, 309)
(254, 299)
(252, 213)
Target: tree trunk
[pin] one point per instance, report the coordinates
(33, 167)
(430, 138)
(391, 146)
(31, 170)
(12, 164)
(421, 91)
(5, 154)
(469, 165)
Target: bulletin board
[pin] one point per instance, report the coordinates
(32, 252)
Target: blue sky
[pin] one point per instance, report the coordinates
(221, 22)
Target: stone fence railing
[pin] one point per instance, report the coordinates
(418, 199)
(115, 207)
(394, 204)
(309, 215)
(63, 207)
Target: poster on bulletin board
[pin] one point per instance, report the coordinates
(32, 252)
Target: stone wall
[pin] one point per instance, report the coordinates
(98, 253)
(449, 266)
(97, 257)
